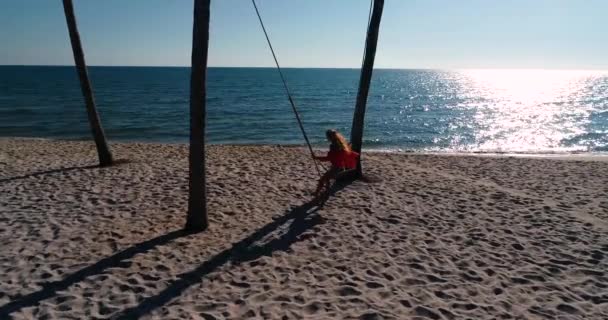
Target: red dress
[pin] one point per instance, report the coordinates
(342, 159)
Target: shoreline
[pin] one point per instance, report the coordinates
(573, 155)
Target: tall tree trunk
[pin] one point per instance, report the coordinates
(197, 201)
(103, 151)
(356, 135)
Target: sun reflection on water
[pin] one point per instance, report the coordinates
(528, 110)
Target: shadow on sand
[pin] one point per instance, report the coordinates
(116, 162)
(115, 261)
(296, 221)
(40, 173)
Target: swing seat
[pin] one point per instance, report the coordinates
(346, 174)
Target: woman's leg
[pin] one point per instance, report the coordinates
(325, 180)
(321, 184)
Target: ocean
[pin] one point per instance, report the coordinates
(503, 111)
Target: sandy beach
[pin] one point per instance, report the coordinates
(436, 237)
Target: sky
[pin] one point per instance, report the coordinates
(442, 34)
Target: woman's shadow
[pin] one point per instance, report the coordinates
(295, 223)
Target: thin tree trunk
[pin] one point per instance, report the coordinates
(103, 151)
(197, 201)
(356, 136)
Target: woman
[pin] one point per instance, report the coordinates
(341, 157)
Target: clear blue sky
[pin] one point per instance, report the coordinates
(315, 33)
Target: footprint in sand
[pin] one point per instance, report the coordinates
(374, 285)
(568, 309)
(425, 312)
(348, 291)
(371, 316)
(313, 307)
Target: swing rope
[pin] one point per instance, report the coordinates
(293, 105)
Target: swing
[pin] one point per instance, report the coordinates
(349, 160)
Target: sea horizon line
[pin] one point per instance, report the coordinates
(321, 68)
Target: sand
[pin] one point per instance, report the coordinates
(437, 237)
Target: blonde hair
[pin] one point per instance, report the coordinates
(338, 140)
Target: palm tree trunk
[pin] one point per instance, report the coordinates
(197, 201)
(356, 137)
(103, 151)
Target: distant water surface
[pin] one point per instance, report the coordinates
(527, 111)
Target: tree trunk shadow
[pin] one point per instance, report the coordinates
(303, 218)
(65, 169)
(117, 260)
(40, 173)
(265, 241)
